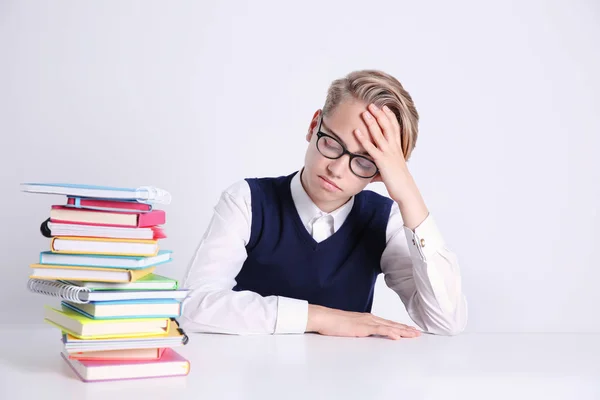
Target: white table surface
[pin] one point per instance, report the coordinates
(467, 366)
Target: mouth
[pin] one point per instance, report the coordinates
(329, 183)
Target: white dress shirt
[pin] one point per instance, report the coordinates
(416, 265)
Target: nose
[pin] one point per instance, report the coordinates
(336, 167)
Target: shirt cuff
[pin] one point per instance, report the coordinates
(292, 315)
(425, 240)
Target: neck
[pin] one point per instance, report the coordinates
(325, 206)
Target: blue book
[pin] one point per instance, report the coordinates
(150, 308)
(145, 194)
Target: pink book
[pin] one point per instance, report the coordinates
(105, 218)
(119, 355)
(170, 364)
(108, 205)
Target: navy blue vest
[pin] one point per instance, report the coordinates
(284, 259)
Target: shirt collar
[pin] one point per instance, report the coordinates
(308, 211)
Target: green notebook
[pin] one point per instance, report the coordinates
(148, 282)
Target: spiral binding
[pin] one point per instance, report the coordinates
(57, 289)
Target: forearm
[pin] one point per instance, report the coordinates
(410, 202)
(245, 312)
(438, 304)
(420, 268)
(226, 311)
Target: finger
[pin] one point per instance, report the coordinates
(394, 121)
(388, 331)
(376, 319)
(375, 130)
(403, 332)
(393, 323)
(369, 147)
(384, 121)
(394, 332)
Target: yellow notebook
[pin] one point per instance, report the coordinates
(104, 246)
(82, 327)
(174, 331)
(93, 274)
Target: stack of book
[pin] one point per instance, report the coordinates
(118, 317)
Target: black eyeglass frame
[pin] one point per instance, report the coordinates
(321, 134)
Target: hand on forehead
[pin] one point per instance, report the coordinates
(343, 121)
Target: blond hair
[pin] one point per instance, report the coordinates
(373, 86)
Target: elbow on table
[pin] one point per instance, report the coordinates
(186, 321)
(449, 329)
(451, 323)
(452, 331)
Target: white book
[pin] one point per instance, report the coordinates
(113, 295)
(100, 345)
(63, 229)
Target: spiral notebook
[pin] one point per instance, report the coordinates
(84, 295)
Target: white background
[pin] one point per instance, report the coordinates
(193, 96)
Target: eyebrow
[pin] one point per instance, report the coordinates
(331, 132)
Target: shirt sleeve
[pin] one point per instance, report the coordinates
(212, 306)
(425, 274)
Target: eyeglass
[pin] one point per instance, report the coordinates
(331, 148)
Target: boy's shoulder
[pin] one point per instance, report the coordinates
(241, 187)
(270, 181)
(237, 190)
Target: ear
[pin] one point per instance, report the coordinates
(377, 178)
(313, 125)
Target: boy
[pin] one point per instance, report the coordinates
(301, 253)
